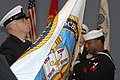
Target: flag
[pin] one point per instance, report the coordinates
(32, 15)
(81, 15)
(48, 58)
(104, 22)
(53, 10)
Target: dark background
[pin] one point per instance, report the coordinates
(90, 19)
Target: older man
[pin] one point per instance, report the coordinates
(18, 26)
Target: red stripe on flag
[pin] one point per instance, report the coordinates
(53, 10)
(32, 15)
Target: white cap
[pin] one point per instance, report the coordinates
(15, 13)
(93, 34)
(84, 29)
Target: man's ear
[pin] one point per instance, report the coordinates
(12, 25)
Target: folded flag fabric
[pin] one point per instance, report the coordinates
(53, 10)
(104, 22)
(49, 56)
